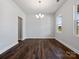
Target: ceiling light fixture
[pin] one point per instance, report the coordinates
(39, 1)
(57, 0)
(39, 15)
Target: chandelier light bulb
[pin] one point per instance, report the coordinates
(42, 15)
(37, 16)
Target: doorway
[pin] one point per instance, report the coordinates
(20, 30)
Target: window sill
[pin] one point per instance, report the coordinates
(59, 31)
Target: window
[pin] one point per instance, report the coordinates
(76, 18)
(59, 23)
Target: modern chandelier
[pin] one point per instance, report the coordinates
(39, 15)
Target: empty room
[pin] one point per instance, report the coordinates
(39, 29)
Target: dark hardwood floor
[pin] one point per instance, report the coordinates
(39, 49)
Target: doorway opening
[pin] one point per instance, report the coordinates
(20, 29)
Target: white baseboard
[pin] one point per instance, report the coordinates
(8, 47)
(38, 37)
(72, 48)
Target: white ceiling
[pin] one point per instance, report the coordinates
(33, 6)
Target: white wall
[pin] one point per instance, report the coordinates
(42, 28)
(9, 13)
(32, 27)
(67, 37)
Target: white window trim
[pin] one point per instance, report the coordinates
(74, 18)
